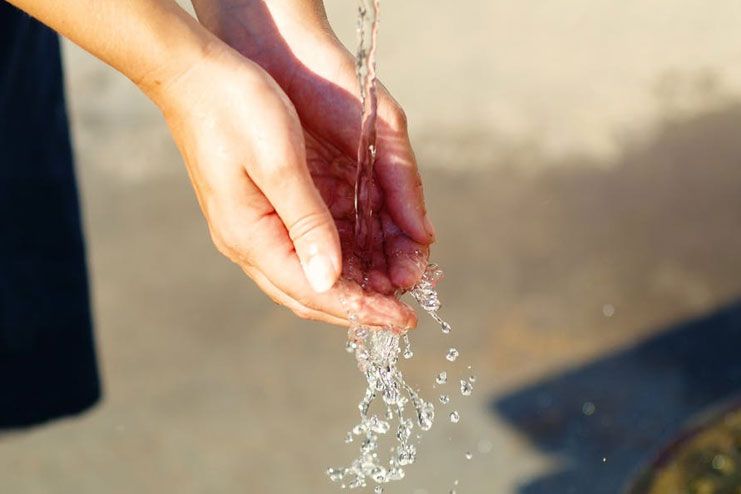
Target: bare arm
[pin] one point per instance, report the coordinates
(149, 41)
(242, 144)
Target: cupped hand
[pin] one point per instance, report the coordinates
(292, 41)
(254, 171)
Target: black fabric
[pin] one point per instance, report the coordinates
(47, 358)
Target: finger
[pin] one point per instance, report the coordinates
(344, 299)
(280, 172)
(256, 237)
(406, 258)
(397, 172)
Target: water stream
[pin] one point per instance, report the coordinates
(391, 411)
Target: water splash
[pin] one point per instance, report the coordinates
(466, 387)
(400, 408)
(442, 378)
(377, 354)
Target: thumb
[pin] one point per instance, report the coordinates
(284, 179)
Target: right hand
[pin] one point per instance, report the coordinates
(244, 149)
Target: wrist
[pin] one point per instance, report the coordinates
(179, 45)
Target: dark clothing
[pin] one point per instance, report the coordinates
(47, 359)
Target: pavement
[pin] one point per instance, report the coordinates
(583, 167)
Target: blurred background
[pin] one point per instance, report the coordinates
(582, 163)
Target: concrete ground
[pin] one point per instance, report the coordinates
(583, 168)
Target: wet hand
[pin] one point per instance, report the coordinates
(293, 42)
(247, 153)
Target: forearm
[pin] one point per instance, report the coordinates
(149, 41)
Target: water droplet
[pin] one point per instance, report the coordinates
(335, 474)
(444, 399)
(469, 455)
(452, 355)
(425, 416)
(454, 416)
(608, 310)
(588, 408)
(378, 490)
(445, 327)
(408, 353)
(348, 438)
(377, 354)
(378, 474)
(407, 455)
(472, 378)
(442, 378)
(379, 426)
(361, 332)
(466, 388)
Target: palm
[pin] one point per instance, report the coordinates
(318, 75)
(334, 175)
(392, 260)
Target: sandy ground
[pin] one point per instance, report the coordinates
(583, 167)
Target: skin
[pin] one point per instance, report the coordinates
(260, 99)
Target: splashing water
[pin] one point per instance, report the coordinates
(466, 388)
(377, 350)
(377, 354)
(442, 378)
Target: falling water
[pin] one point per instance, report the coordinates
(389, 404)
(368, 16)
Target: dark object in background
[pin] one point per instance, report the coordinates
(47, 358)
(706, 459)
(608, 418)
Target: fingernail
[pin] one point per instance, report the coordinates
(320, 272)
(429, 228)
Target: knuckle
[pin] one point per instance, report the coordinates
(311, 222)
(232, 242)
(222, 244)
